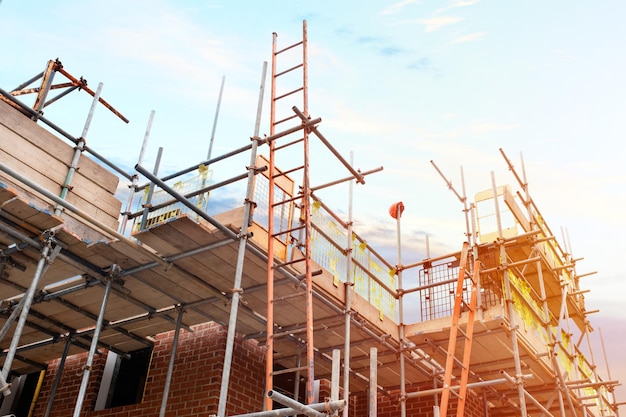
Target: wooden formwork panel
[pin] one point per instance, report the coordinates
(37, 154)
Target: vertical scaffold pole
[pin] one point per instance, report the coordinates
(170, 367)
(146, 208)
(47, 255)
(509, 304)
(57, 377)
(135, 177)
(396, 212)
(94, 343)
(349, 285)
(243, 240)
(78, 151)
(217, 112)
(373, 388)
(560, 382)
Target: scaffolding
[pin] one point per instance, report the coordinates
(281, 268)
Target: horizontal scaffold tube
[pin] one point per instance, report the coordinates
(290, 402)
(283, 412)
(479, 384)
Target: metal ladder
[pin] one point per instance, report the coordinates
(454, 330)
(299, 92)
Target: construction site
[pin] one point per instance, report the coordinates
(181, 301)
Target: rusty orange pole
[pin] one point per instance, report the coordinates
(306, 199)
(269, 355)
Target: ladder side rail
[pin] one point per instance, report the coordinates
(458, 300)
(469, 331)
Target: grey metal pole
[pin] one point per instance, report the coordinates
(57, 377)
(155, 171)
(5, 388)
(94, 344)
(78, 150)
(399, 208)
(288, 411)
(289, 402)
(170, 367)
(373, 389)
(243, 237)
(217, 112)
(349, 285)
(14, 315)
(297, 375)
(336, 372)
(135, 177)
(480, 384)
(44, 258)
(509, 307)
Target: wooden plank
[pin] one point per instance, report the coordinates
(183, 234)
(56, 147)
(38, 166)
(90, 208)
(41, 219)
(6, 192)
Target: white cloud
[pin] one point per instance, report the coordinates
(397, 7)
(469, 37)
(435, 23)
(463, 3)
(460, 3)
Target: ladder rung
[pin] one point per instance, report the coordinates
(295, 67)
(294, 198)
(293, 142)
(287, 231)
(286, 119)
(295, 261)
(289, 47)
(455, 393)
(289, 93)
(289, 370)
(288, 297)
(280, 203)
(289, 171)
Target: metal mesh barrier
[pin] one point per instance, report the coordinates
(199, 181)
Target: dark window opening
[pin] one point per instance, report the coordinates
(24, 389)
(129, 378)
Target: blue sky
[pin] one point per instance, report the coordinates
(398, 83)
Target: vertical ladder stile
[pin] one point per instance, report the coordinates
(305, 212)
(269, 353)
(454, 330)
(469, 331)
(447, 379)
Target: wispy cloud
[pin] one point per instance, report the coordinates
(384, 47)
(483, 128)
(469, 37)
(397, 7)
(456, 4)
(420, 64)
(370, 39)
(391, 50)
(435, 23)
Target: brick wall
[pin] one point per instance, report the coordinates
(67, 393)
(389, 405)
(195, 383)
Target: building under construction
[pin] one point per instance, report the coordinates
(174, 303)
